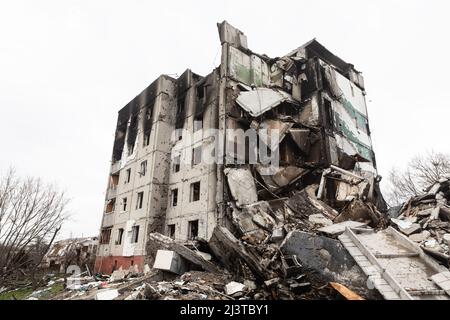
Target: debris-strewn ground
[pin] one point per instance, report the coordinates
(255, 264)
(425, 220)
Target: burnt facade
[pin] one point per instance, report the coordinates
(161, 181)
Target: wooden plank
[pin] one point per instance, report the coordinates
(345, 292)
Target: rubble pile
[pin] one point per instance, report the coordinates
(425, 219)
(278, 224)
(326, 173)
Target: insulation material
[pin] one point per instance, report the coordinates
(261, 100)
(242, 186)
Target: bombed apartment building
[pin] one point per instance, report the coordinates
(162, 178)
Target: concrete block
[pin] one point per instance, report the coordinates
(171, 261)
(117, 275)
(234, 287)
(338, 228)
(204, 255)
(277, 234)
(107, 294)
(320, 219)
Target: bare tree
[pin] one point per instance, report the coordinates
(421, 172)
(31, 215)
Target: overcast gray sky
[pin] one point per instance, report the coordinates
(67, 67)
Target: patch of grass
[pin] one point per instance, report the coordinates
(19, 294)
(54, 290)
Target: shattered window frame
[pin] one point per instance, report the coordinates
(105, 236)
(111, 206)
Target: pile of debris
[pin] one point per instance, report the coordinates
(425, 219)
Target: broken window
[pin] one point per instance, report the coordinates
(199, 108)
(174, 197)
(200, 92)
(119, 142)
(171, 230)
(124, 204)
(179, 124)
(110, 205)
(176, 163)
(140, 200)
(130, 149)
(114, 181)
(105, 235)
(198, 122)
(119, 236)
(196, 155)
(353, 90)
(133, 125)
(127, 176)
(328, 114)
(134, 234)
(143, 168)
(193, 229)
(195, 191)
(146, 139)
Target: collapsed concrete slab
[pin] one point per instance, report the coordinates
(338, 228)
(242, 186)
(183, 251)
(261, 100)
(326, 257)
(230, 250)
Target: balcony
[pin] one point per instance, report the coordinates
(115, 167)
(111, 192)
(108, 220)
